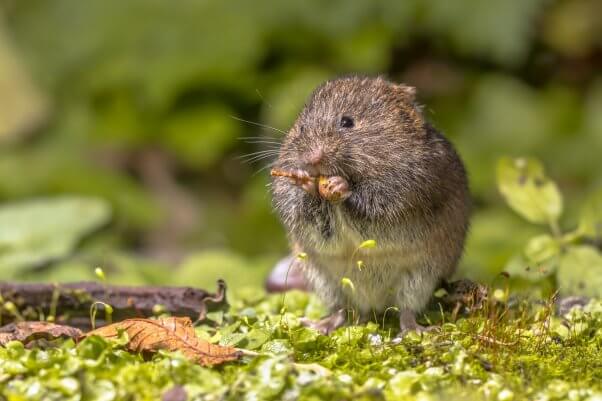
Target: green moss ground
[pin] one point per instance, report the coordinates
(495, 353)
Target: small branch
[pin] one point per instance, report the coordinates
(290, 174)
(75, 299)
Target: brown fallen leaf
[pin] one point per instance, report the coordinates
(31, 331)
(171, 334)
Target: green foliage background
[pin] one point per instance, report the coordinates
(133, 102)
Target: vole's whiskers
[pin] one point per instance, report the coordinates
(267, 166)
(256, 156)
(266, 143)
(259, 139)
(259, 124)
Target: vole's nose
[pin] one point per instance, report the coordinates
(313, 159)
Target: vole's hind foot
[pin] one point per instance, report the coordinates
(407, 323)
(328, 324)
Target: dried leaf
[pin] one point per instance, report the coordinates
(30, 331)
(172, 334)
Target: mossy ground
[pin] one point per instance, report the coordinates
(494, 353)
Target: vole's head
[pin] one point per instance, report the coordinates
(356, 127)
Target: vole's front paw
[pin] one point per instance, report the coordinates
(303, 180)
(334, 189)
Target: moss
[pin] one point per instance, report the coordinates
(495, 353)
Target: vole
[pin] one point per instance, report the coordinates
(361, 163)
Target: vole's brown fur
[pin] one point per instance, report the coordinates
(404, 187)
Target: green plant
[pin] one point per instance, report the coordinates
(572, 258)
(499, 352)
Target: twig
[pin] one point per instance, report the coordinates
(75, 299)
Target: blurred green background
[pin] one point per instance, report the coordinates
(121, 118)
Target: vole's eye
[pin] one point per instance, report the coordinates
(346, 122)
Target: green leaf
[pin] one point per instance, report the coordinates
(203, 268)
(590, 220)
(22, 106)
(256, 338)
(366, 50)
(42, 230)
(305, 336)
(402, 385)
(200, 136)
(232, 340)
(278, 347)
(58, 169)
(499, 31)
(183, 49)
(580, 272)
(541, 248)
(518, 266)
(528, 191)
(289, 95)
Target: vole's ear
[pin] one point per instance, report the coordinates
(406, 91)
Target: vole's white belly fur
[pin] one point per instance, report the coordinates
(393, 273)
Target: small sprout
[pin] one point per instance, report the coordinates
(10, 307)
(367, 244)
(392, 308)
(100, 273)
(360, 265)
(346, 282)
(94, 308)
(53, 304)
(499, 295)
(301, 256)
(158, 309)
